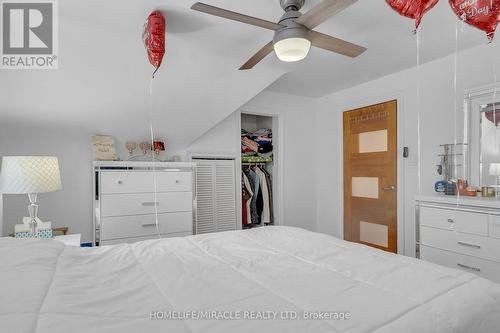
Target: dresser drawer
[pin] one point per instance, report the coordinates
(484, 268)
(143, 238)
(144, 203)
(494, 226)
(143, 181)
(144, 225)
(472, 223)
(473, 245)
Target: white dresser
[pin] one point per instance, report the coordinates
(464, 235)
(126, 205)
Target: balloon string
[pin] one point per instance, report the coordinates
(153, 76)
(455, 111)
(419, 143)
(153, 154)
(494, 119)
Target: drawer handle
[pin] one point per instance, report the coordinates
(476, 269)
(149, 225)
(120, 182)
(451, 221)
(151, 203)
(177, 181)
(469, 245)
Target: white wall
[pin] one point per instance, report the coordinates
(223, 139)
(71, 144)
(439, 124)
(297, 116)
(72, 206)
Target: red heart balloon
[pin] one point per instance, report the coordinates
(483, 14)
(414, 9)
(154, 38)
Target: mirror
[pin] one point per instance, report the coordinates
(489, 164)
(484, 110)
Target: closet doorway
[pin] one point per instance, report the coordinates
(370, 176)
(259, 172)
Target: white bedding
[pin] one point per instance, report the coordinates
(47, 287)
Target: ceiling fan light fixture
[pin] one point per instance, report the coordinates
(292, 42)
(292, 49)
(293, 34)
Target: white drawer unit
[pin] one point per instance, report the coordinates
(460, 233)
(145, 203)
(138, 239)
(484, 268)
(463, 221)
(144, 225)
(127, 203)
(143, 181)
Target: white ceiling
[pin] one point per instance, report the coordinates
(103, 78)
(390, 42)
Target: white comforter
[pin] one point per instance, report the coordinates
(47, 287)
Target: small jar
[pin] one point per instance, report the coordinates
(484, 191)
(471, 191)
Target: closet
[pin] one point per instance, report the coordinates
(258, 172)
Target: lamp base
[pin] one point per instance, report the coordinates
(33, 211)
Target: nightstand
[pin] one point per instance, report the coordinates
(70, 240)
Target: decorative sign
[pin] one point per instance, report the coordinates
(103, 148)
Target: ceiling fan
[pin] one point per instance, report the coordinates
(293, 34)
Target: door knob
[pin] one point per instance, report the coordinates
(391, 188)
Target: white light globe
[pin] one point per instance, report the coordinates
(292, 49)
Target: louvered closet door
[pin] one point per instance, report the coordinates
(216, 188)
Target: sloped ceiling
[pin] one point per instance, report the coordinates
(103, 79)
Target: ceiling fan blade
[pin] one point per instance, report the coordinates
(322, 11)
(257, 57)
(335, 44)
(204, 8)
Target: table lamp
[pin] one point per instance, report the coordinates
(30, 175)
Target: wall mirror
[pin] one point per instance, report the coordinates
(484, 113)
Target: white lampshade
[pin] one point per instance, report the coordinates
(292, 49)
(495, 169)
(29, 174)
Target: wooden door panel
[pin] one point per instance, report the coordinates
(364, 127)
(370, 172)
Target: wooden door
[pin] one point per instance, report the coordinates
(370, 176)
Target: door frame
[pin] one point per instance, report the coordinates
(399, 98)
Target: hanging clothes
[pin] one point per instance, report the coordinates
(269, 182)
(255, 182)
(248, 195)
(258, 197)
(266, 209)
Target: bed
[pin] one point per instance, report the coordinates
(272, 279)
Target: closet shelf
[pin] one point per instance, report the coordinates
(256, 159)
